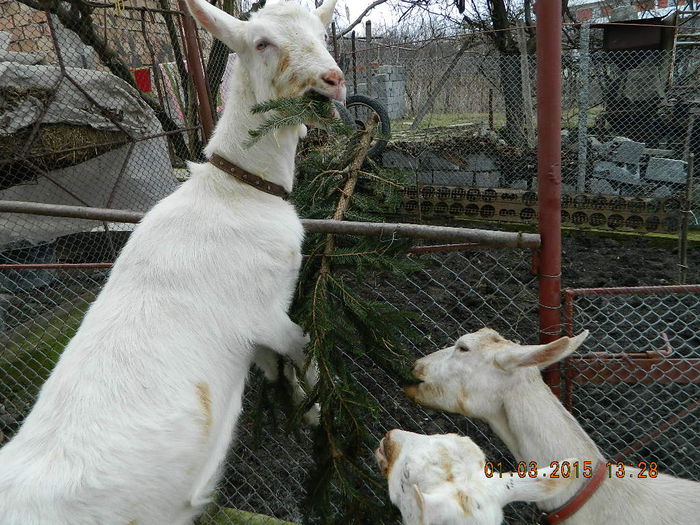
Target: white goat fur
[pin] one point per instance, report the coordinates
(134, 422)
(440, 480)
(490, 378)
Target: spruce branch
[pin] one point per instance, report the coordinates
(311, 107)
(349, 188)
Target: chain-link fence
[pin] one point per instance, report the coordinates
(464, 126)
(87, 89)
(454, 292)
(636, 388)
(463, 131)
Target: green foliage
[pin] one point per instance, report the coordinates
(346, 323)
(311, 107)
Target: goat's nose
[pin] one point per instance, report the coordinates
(333, 78)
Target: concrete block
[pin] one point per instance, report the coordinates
(626, 151)
(453, 178)
(487, 179)
(627, 173)
(432, 161)
(424, 177)
(602, 186)
(661, 192)
(480, 162)
(396, 159)
(666, 170)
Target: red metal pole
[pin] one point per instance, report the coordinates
(549, 172)
(194, 66)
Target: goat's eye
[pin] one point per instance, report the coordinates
(325, 36)
(462, 347)
(262, 45)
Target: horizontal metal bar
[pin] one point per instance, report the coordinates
(71, 212)
(628, 370)
(489, 238)
(686, 288)
(56, 266)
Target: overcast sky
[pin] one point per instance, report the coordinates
(382, 13)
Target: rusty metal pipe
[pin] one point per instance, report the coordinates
(485, 238)
(194, 66)
(549, 173)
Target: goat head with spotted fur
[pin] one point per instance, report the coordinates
(486, 376)
(441, 480)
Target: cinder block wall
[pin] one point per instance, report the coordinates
(388, 86)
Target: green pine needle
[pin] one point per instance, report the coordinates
(310, 108)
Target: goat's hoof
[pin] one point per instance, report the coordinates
(312, 417)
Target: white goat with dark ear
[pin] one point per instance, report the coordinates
(134, 422)
(442, 480)
(488, 377)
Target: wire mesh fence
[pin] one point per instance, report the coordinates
(463, 130)
(463, 124)
(91, 90)
(454, 292)
(636, 389)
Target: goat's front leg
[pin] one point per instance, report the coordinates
(284, 337)
(287, 338)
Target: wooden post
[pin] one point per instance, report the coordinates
(687, 203)
(368, 56)
(334, 33)
(353, 52)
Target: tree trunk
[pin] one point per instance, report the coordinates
(512, 91)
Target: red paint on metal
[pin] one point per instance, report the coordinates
(549, 174)
(621, 290)
(142, 77)
(194, 66)
(623, 369)
(630, 368)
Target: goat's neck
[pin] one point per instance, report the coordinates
(539, 427)
(536, 427)
(272, 156)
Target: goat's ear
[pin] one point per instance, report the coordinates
(511, 487)
(325, 11)
(420, 504)
(539, 355)
(229, 29)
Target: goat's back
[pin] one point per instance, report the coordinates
(143, 393)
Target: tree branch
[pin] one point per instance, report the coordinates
(359, 18)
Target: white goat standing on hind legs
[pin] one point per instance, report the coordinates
(490, 378)
(134, 422)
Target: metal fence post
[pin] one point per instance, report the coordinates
(585, 71)
(194, 63)
(368, 56)
(549, 171)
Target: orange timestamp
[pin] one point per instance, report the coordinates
(570, 469)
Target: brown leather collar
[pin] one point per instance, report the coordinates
(577, 501)
(248, 178)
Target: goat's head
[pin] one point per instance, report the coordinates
(441, 479)
(473, 376)
(282, 47)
